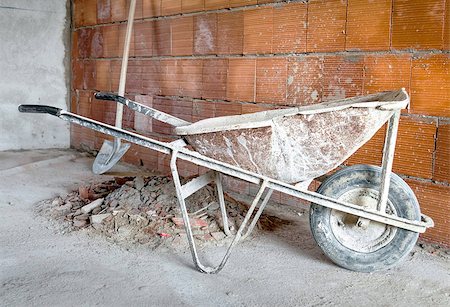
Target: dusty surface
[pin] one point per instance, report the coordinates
(41, 265)
(144, 210)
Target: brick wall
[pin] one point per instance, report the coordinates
(202, 58)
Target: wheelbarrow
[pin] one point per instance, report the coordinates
(363, 217)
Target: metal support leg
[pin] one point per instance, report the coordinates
(388, 159)
(223, 210)
(258, 213)
(202, 268)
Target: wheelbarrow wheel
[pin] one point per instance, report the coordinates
(352, 243)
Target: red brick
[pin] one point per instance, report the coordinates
(161, 37)
(152, 77)
(371, 152)
(132, 155)
(98, 110)
(230, 33)
(170, 7)
(258, 30)
(151, 8)
(128, 116)
(111, 41)
(289, 28)
(163, 163)
(189, 78)
(134, 77)
(143, 38)
(326, 25)
(304, 80)
(89, 74)
(81, 137)
(143, 123)
(343, 77)
(103, 11)
(214, 81)
(236, 185)
(188, 6)
(182, 78)
(109, 112)
(85, 13)
(202, 109)
(241, 79)
(430, 85)
(73, 101)
(415, 146)
(254, 107)
(75, 52)
(179, 108)
(182, 36)
(170, 77)
(77, 74)
(122, 34)
(236, 3)
(216, 4)
(417, 24)
(84, 42)
(148, 158)
(442, 155)
(447, 27)
(97, 43)
(434, 201)
(84, 103)
(205, 34)
(271, 75)
(226, 108)
(386, 72)
(368, 25)
(187, 169)
(182, 108)
(119, 10)
(139, 9)
(115, 74)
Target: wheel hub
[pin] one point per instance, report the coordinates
(358, 234)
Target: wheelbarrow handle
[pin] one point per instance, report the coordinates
(35, 108)
(140, 108)
(110, 97)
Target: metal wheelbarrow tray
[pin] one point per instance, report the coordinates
(364, 218)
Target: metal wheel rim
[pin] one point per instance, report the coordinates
(361, 239)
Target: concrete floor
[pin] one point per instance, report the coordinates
(40, 265)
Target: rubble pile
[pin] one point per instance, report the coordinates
(145, 210)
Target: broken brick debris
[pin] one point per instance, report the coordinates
(145, 210)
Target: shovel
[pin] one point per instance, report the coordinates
(111, 152)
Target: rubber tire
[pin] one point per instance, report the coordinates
(400, 195)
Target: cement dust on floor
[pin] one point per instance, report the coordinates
(42, 265)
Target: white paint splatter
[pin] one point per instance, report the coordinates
(204, 38)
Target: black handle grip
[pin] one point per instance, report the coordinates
(35, 108)
(110, 97)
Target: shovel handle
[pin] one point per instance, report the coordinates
(35, 108)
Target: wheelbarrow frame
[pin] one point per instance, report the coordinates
(178, 151)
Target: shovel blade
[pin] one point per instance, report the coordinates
(107, 157)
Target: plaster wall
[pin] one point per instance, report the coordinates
(33, 70)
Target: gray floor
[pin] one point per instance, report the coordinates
(40, 265)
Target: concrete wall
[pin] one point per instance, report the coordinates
(33, 56)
